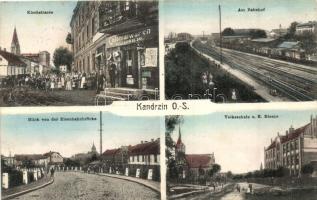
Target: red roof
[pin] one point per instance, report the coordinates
(146, 148)
(110, 152)
(296, 133)
(199, 160)
(285, 138)
(12, 58)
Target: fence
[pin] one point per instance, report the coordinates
(13, 178)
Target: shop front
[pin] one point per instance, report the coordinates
(132, 59)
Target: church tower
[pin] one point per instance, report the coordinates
(15, 46)
(93, 148)
(180, 147)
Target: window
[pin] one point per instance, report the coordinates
(155, 158)
(142, 158)
(138, 159)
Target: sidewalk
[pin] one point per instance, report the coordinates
(22, 189)
(150, 184)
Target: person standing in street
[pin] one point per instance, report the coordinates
(52, 172)
(112, 74)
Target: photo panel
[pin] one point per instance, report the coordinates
(240, 51)
(78, 53)
(259, 155)
(95, 155)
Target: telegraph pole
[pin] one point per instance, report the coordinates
(100, 133)
(220, 34)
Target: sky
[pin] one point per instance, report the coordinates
(238, 145)
(20, 136)
(195, 16)
(36, 32)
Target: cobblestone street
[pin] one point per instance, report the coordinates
(72, 185)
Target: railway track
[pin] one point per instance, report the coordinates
(292, 81)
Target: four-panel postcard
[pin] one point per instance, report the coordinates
(158, 99)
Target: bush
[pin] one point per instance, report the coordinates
(308, 169)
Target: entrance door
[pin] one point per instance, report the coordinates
(131, 71)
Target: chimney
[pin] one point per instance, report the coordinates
(4, 49)
(286, 133)
(145, 141)
(141, 141)
(278, 134)
(152, 140)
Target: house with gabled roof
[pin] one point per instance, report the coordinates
(294, 149)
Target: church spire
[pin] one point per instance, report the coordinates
(15, 46)
(179, 135)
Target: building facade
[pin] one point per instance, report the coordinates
(118, 39)
(191, 164)
(293, 150)
(11, 64)
(308, 27)
(54, 158)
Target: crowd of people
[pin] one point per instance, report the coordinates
(52, 81)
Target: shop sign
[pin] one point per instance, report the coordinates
(130, 38)
(150, 57)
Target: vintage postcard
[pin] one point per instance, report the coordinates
(158, 99)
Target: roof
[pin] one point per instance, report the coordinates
(50, 153)
(295, 134)
(272, 145)
(12, 58)
(109, 152)
(15, 39)
(285, 138)
(21, 157)
(287, 45)
(146, 148)
(97, 162)
(263, 40)
(199, 160)
(311, 23)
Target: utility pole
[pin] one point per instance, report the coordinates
(220, 34)
(100, 132)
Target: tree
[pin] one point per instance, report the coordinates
(228, 31)
(62, 56)
(69, 39)
(257, 34)
(291, 31)
(307, 42)
(308, 169)
(216, 168)
(229, 174)
(170, 124)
